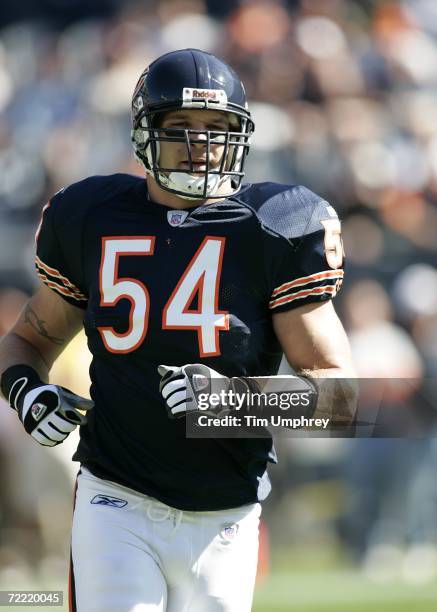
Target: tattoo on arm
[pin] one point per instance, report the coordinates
(34, 321)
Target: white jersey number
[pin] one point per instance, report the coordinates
(113, 289)
(201, 278)
(334, 251)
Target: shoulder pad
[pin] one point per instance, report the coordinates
(78, 198)
(290, 211)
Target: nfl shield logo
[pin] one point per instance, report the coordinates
(176, 217)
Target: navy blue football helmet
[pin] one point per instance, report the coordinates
(191, 79)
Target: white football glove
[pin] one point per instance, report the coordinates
(50, 413)
(181, 387)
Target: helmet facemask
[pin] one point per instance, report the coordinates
(193, 183)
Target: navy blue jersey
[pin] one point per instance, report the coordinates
(164, 286)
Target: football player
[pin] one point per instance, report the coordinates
(180, 279)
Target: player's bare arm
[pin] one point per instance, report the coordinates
(45, 326)
(316, 346)
(27, 353)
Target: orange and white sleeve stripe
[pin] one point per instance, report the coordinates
(57, 281)
(325, 284)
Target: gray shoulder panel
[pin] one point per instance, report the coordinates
(294, 212)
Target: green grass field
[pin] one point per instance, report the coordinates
(341, 591)
(409, 606)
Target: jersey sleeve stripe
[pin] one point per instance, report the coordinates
(54, 272)
(61, 289)
(44, 268)
(47, 279)
(306, 280)
(328, 289)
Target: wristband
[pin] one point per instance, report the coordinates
(15, 380)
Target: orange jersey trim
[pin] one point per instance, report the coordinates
(329, 289)
(306, 280)
(66, 285)
(57, 274)
(60, 289)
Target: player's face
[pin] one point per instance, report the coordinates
(175, 154)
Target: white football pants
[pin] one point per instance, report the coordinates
(132, 553)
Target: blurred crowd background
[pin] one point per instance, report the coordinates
(344, 97)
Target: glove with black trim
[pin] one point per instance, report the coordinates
(49, 413)
(183, 387)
